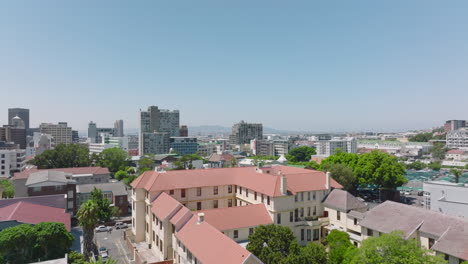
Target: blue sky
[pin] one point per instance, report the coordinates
(298, 65)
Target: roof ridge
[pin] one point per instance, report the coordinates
(15, 208)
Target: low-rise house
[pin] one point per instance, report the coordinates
(219, 160)
(457, 155)
(114, 191)
(345, 213)
(81, 175)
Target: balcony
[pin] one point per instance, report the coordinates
(310, 221)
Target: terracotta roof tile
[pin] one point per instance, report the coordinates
(164, 205)
(237, 217)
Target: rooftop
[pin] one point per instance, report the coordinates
(117, 188)
(48, 176)
(79, 170)
(237, 217)
(266, 181)
(30, 213)
(343, 201)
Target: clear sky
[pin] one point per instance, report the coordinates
(297, 65)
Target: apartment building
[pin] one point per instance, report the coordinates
(451, 125)
(156, 127)
(446, 197)
(61, 132)
(107, 142)
(184, 145)
(12, 159)
(164, 226)
(243, 133)
(458, 139)
(445, 235)
(274, 147)
(329, 147)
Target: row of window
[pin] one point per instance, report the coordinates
(308, 232)
(262, 196)
(190, 257)
(298, 215)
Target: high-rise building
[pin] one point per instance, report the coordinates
(329, 147)
(243, 133)
(21, 113)
(276, 147)
(156, 127)
(118, 128)
(61, 132)
(183, 131)
(12, 134)
(184, 145)
(451, 125)
(94, 132)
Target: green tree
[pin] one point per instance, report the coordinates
(338, 245)
(76, 258)
(392, 248)
(53, 240)
(435, 166)
(233, 162)
(349, 159)
(457, 173)
(106, 211)
(421, 137)
(272, 243)
(8, 188)
(299, 154)
(63, 156)
(17, 244)
(438, 151)
(310, 254)
(343, 175)
(88, 217)
(114, 159)
(146, 162)
(130, 179)
(100, 261)
(120, 175)
(417, 165)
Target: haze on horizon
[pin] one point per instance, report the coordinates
(305, 65)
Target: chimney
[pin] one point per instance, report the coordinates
(284, 184)
(327, 181)
(201, 218)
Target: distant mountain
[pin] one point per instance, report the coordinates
(210, 130)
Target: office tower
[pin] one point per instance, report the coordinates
(243, 133)
(94, 132)
(183, 131)
(156, 126)
(451, 125)
(61, 132)
(21, 113)
(184, 145)
(75, 136)
(329, 147)
(16, 135)
(118, 128)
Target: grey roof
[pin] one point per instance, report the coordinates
(56, 200)
(391, 216)
(343, 201)
(454, 242)
(357, 214)
(48, 175)
(117, 188)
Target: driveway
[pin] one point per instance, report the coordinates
(115, 245)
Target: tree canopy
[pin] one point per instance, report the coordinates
(421, 137)
(343, 175)
(105, 210)
(338, 245)
(8, 188)
(300, 154)
(88, 217)
(438, 151)
(393, 249)
(114, 159)
(63, 156)
(26, 243)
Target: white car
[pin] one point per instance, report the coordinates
(120, 225)
(104, 256)
(103, 228)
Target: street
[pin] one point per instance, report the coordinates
(115, 245)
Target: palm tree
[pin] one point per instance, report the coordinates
(457, 173)
(88, 216)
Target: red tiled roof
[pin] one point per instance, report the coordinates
(237, 217)
(209, 245)
(164, 205)
(455, 151)
(33, 214)
(298, 179)
(78, 170)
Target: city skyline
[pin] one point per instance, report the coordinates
(301, 67)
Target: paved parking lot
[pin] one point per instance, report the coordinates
(115, 245)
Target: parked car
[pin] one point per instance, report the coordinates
(103, 228)
(120, 225)
(102, 250)
(104, 256)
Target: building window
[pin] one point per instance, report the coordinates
(296, 197)
(268, 200)
(315, 210)
(302, 234)
(235, 188)
(198, 205)
(229, 202)
(240, 190)
(431, 242)
(215, 203)
(255, 196)
(154, 236)
(355, 221)
(236, 234)
(309, 235)
(229, 188)
(246, 192)
(278, 219)
(308, 196)
(251, 231)
(302, 212)
(308, 211)
(263, 198)
(316, 234)
(370, 232)
(171, 192)
(198, 191)
(182, 193)
(215, 190)
(302, 196)
(338, 215)
(291, 217)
